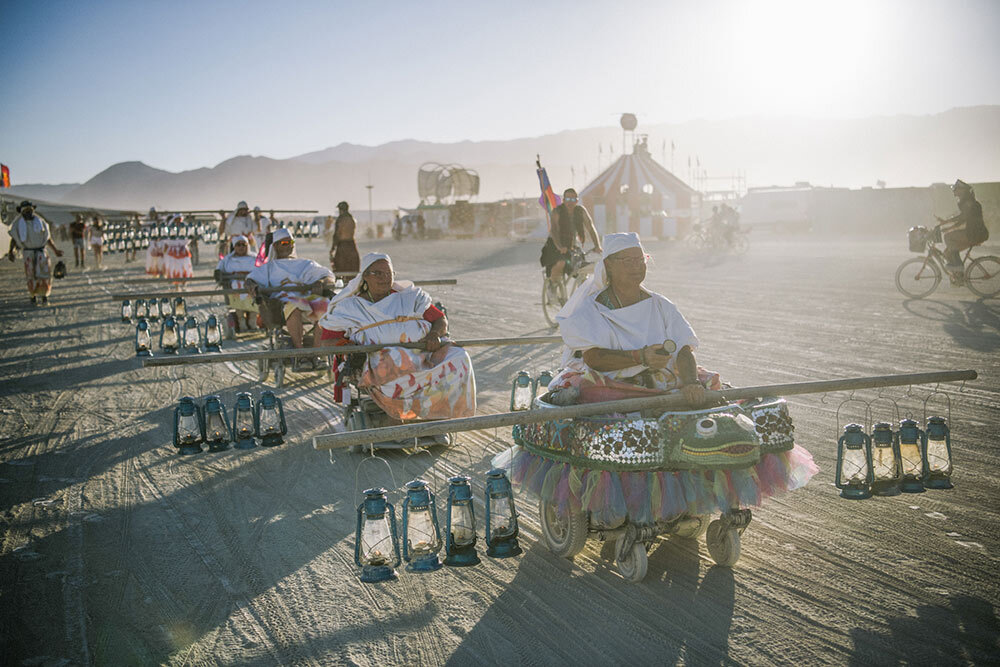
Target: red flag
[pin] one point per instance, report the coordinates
(4, 176)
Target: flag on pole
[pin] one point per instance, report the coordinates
(4, 176)
(549, 199)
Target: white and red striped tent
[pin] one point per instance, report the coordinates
(638, 194)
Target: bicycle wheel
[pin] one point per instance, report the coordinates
(552, 302)
(983, 276)
(918, 277)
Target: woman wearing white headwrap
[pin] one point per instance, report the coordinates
(236, 264)
(283, 268)
(622, 340)
(435, 383)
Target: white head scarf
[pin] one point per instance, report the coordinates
(239, 238)
(354, 287)
(277, 235)
(598, 281)
(242, 204)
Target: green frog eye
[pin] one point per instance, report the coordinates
(669, 346)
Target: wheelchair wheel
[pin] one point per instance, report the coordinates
(634, 564)
(723, 542)
(564, 535)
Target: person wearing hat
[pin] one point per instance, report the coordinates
(235, 267)
(622, 340)
(31, 233)
(237, 223)
(964, 230)
(570, 221)
(284, 268)
(344, 251)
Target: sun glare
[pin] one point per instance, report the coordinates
(797, 57)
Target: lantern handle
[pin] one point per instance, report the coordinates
(373, 457)
(850, 399)
(430, 469)
(870, 416)
(822, 399)
(930, 396)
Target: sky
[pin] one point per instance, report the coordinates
(186, 84)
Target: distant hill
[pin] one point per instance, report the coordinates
(41, 191)
(900, 150)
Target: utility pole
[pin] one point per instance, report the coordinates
(369, 187)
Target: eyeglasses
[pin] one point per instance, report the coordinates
(379, 274)
(629, 261)
(570, 199)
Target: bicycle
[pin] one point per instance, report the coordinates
(555, 293)
(919, 276)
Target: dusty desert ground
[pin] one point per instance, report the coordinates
(117, 551)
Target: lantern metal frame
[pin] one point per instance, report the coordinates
(169, 323)
(460, 555)
(537, 388)
(217, 445)
(419, 495)
(212, 323)
(504, 546)
(849, 490)
(190, 324)
(516, 384)
(375, 502)
(246, 399)
(191, 447)
(270, 439)
(886, 486)
(911, 483)
(143, 325)
(933, 479)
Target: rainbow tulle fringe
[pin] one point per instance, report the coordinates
(647, 496)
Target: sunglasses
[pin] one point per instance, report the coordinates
(285, 242)
(379, 274)
(570, 199)
(629, 261)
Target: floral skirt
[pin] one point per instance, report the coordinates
(406, 386)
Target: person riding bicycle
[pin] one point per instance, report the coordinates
(964, 230)
(570, 221)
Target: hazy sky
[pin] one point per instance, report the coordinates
(186, 84)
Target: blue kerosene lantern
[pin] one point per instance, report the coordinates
(542, 383)
(154, 310)
(244, 421)
(421, 533)
(169, 339)
(141, 309)
(213, 334)
(217, 428)
(376, 544)
(180, 307)
(189, 427)
(501, 516)
(191, 335)
(143, 339)
(166, 307)
(887, 469)
(937, 454)
(460, 525)
(270, 419)
(521, 392)
(854, 467)
(127, 311)
(910, 442)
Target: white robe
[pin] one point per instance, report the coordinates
(233, 263)
(243, 224)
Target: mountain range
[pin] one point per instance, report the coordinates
(899, 150)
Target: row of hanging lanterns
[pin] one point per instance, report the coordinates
(524, 389)
(195, 425)
(153, 309)
(377, 540)
(886, 463)
(175, 336)
(301, 228)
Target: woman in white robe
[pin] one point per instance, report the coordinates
(622, 340)
(236, 266)
(375, 309)
(283, 268)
